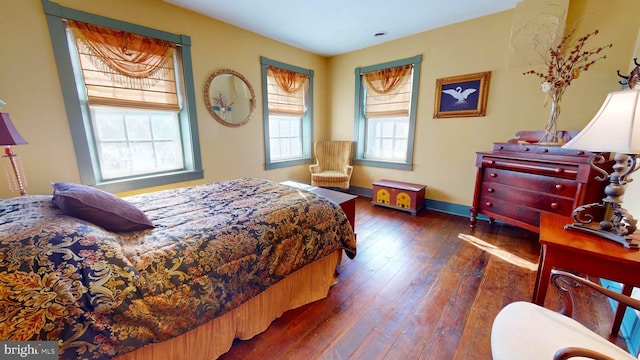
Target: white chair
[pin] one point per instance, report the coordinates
(523, 330)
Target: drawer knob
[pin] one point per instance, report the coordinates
(493, 175)
(558, 170)
(555, 205)
(580, 152)
(488, 204)
(490, 190)
(500, 147)
(545, 150)
(559, 187)
(525, 149)
(491, 162)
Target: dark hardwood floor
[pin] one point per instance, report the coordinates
(417, 289)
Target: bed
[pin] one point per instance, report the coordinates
(217, 262)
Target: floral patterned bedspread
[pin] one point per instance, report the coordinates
(213, 247)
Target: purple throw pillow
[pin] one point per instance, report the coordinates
(99, 207)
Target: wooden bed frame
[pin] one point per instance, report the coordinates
(212, 339)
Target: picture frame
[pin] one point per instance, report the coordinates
(454, 96)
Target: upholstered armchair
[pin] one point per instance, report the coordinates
(332, 167)
(523, 330)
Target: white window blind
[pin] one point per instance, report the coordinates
(286, 91)
(125, 69)
(388, 92)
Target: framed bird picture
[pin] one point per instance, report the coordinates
(462, 96)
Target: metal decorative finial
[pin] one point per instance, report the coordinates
(620, 223)
(615, 129)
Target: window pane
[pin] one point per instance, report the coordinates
(296, 148)
(284, 128)
(132, 142)
(274, 128)
(163, 126)
(285, 147)
(114, 158)
(286, 141)
(387, 129)
(386, 138)
(142, 158)
(111, 127)
(295, 127)
(167, 155)
(138, 127)
(275, 148)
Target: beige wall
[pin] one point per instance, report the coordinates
(31, 88)
(445, 148)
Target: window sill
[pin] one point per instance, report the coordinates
(287, 163)
(383, 164)
(142, 182)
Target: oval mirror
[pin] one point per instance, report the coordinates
(229, 98)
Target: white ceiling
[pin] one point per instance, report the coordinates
(333, 27)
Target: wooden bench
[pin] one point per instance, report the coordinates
(399, 195)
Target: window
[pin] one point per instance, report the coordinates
(387, 138)
(288, 121)
(285, 137)
(129, 98)
(132, 142)
(386, 100)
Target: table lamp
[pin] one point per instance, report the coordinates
(614, 129)
(10, 136)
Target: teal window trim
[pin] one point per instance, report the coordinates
(360, 122)
(78, 112)
(307, 120)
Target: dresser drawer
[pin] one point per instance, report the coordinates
(493, 193)
(504, 210)
(538, 149)
(545, 184)
(560, 170)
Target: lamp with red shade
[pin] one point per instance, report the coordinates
(10, 136)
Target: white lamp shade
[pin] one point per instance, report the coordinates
(615, 128)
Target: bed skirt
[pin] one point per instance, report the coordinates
(214, 338)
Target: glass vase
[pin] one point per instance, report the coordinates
(551, 129)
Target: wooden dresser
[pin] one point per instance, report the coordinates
(518, 180)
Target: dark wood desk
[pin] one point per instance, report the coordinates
(583, 253)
